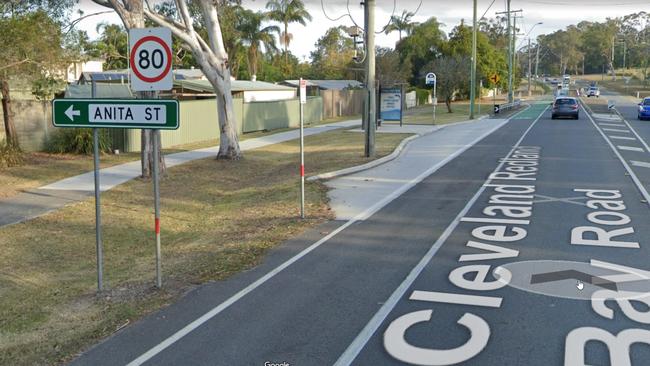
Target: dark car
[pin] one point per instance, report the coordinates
(565, 107)
(644, 109)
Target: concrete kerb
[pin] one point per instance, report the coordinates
(392, 156)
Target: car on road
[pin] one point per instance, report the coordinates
(593, 92)
(644, 109)
(565, 107)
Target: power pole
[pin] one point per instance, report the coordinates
(530, 63)
(472, 91)
(537, 59)
(371, 100)
(511, 46)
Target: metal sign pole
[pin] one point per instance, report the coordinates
(98, 208)
(156, 193)
(435, 99)
(302, 161)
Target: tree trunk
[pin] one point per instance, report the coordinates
(10, 128)
(286, 44)
(448, 104)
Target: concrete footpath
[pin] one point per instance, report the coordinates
(37, 202)
(356, 193)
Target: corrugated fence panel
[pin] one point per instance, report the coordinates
(260, 116)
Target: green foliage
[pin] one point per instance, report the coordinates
(286, 12)
(77, 141)
(422, 95)
(45, 87)
(332, 57)
(255, 36)
(112, 46)
(10, 155)
(425, 43)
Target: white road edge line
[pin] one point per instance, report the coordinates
(371, 327)
(630, 148)
(360, 217)
(636, 180)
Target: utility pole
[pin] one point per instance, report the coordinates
(530, 64)
(511, 46)
(472, 91)
(537, 62)
(371, 97)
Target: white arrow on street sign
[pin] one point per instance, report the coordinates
(71, 112)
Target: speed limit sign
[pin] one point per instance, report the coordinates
(150, 59)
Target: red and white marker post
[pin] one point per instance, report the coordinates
(303, 100)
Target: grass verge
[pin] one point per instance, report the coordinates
(218, 218)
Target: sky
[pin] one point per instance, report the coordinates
(554, 15)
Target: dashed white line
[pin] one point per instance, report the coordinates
(621, 137)
(615, 130)
(642, 164)
(630, 148)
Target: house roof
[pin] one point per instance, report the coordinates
(236, 86)
(328, 84)
(104, 90)
(123, 75)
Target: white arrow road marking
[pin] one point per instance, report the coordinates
(640, 163)
(70, 112)
(630, 148)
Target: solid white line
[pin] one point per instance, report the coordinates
(621, 137)
(360, 217)
(433, 296)
(635, 179)
(630, 148)
(362, 338)
(642, 164)
(615, 130)
(611, 124)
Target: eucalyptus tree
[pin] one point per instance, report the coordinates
(286, 12)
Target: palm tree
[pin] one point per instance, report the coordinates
(401, 23)
(255, 37)
(285, 12)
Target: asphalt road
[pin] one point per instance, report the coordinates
(511, 254)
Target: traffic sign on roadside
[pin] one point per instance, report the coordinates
(158, 114)
(150, 59)
(303, 91)
(430, 79)
(494, 78)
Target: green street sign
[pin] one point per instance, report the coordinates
(160, 114)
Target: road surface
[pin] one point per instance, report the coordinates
(529, 248)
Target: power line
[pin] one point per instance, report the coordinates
(333, 19)
(390, 19)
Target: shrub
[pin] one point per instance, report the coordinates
(422, 96)
(10, 155)
(77, 141)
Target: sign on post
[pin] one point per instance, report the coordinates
(303, 91)
(150, 59)
(430, 79)
(391, 104)
(158, 114)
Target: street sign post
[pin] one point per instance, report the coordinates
(431, 80)
(150, 60)
(303, 100)
(116, 113)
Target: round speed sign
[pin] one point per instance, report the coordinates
(150, 59)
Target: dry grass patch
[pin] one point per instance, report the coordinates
(218, 218)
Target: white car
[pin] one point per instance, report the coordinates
(593, 92)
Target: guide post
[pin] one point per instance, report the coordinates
(303, 100)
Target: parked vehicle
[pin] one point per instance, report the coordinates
(644, 109)
(565, 107)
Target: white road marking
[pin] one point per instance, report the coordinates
(635, 179)
(615, 130)
(360, 217)
(611, 124)
(637, 135)
(630, 148)
(622, 137)
(642, 164)
(557, 199)
(366, 333)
